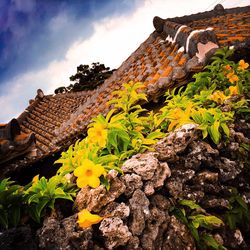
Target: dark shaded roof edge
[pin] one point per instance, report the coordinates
(208, 14)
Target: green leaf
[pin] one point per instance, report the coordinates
(225, 129)
(194, 232)
(195, 224)
(231, 220)
(206, 221)
(241, 202)
(197, 117)
(155, 135)
(105, 182)
(34, 198)
(213, 130)
(59, 193)
(36, 209)
(211, 242)
(204, 130)
(106, 159)
(208, 117)
(245, 146)
(14, 217)
(191, 204)
(110, 114)
(4, 219)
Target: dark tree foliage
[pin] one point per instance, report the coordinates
(87, 78)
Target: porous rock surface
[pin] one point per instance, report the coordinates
(137, 208)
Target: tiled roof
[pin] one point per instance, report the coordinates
(231, 26)
(178, 47)
(14, 142)
(41, 118)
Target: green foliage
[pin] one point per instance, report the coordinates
(239, 212)
(196, 220)
(43, 193)
(212, 122)
(33, 199)
(220, 74)
(10, 203)
(223, 86)
(133, 134)
(125, 131)
(181, 110)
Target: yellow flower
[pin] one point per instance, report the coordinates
(35, 179)
(88, 174)
(232, 77)
(233, 90)
(98, 134)
(218, 96)
(86, 219)
(243, 65)
(227, 67)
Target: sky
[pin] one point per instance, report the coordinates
(43, 41)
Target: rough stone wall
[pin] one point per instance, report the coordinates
(136, 209)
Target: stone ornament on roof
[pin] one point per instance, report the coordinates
(200, 44)
(13, 142)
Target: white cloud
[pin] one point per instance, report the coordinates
(113, 40)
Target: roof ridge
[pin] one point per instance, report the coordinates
(197, 43)
(218, 10)
(40, 96)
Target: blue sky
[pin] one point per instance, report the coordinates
(43, 41)
(35, 32)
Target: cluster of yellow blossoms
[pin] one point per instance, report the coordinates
(219, 96)
(88, 173)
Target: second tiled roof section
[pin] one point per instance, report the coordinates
(44, 115)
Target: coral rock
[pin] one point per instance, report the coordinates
(140, 212)
(95, 199)
(115, 209)
(201, 152)
(216, 203)
(161, 173)
(178, 237)
(176, 142)
(64, 235)
(17, 238)
(228, 169)
(132, 182)
(115, 232)
(153, 228)
(142, 164)
(206, 177)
